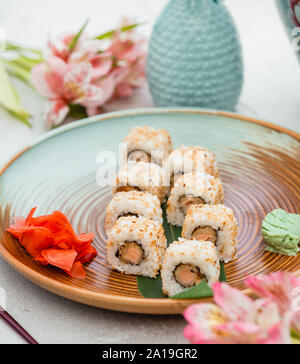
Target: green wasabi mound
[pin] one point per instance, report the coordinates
(281, 232)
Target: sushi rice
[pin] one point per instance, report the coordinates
(222, 220)
(202, 255)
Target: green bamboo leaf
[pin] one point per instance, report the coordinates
(202, 290)
(223, 277)
(9, 98)
(172, 232)
(77, 36)
(150, 287)
(111, 33)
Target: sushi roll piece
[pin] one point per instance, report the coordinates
(188, 159)
(187, 263)
(146, 144)
(216, 224)
(136, 245)
(133, 203)
(193, 189)
(141, 176)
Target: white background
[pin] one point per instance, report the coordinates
(271, 92)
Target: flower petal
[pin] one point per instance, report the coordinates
(239, 332)
(124, 89)
(40, 82)
(236, 305)
(47, 77)
(267, 313)
(77, 81)
(203, 318)
(56, 113)
(55, 76)
(278, 334)
(97, 95)
(278, 287)
(101, 66)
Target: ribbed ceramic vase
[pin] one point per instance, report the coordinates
(195, 56)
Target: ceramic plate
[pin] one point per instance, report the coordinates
(259, 165)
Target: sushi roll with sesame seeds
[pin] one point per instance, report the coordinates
(187, 263)
(193, 189)
(191, 159)
(146, 144)
(136, 245)
(133, 203)
(214, 223)
(140, 176)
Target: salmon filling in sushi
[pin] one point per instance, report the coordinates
(188, 275)
(188, 263)
(136, 245)
(131, 253)
(206, 233)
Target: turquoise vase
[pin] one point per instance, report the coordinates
(289, 11)
(195, 56)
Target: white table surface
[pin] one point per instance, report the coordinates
(271, 92)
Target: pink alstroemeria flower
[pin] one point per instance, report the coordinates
(128, 50)
(128, 46)
(70, 83)
(283, 289)
(59, 46)
(90, 72)
(235, 319)
(91, 51)
(129, 78)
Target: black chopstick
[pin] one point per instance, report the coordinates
(17, 327)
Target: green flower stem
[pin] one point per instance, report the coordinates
(9, 97)
(111, 33)
(25, 62)
(10, 46)
(77, 36)
(16, 71)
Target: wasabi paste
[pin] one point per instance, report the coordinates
(281, 232)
